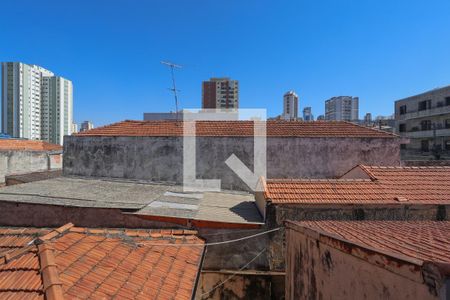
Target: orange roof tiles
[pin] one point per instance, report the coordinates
(423, 240)
(31, 145)
(384, 185)
(237, 128)
(95, 264)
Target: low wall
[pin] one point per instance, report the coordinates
(21, 162)
(161, 158)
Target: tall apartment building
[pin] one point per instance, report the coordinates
(36, 104)
(21, 99)
(307, 114)
(290, 106)
(342, 108)
(57, 109)
(219, 93)
(425, 120)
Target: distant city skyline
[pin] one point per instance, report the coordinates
(380, 51)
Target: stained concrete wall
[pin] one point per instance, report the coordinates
(160, 158)
(21, 162)
(316, 270)
(276, 215)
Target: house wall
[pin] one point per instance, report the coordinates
(278, 214)
(315, 271)
(21, 162)
(160, 158)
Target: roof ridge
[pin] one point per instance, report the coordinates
(51, 282)
(56, 232)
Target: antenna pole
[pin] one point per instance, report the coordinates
(174, 87)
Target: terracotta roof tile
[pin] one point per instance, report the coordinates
(87, 263)
(31, 145)
(385, 185)
(423, 240)
(237, 128)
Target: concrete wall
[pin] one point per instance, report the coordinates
(315, 270)
(21, 162)
(278, 214)
(160, 158)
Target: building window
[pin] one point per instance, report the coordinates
(424, 105)
(403, 109)
(447, 145)
(425, 145)
(447, 123)
(403, 146)
(402, 127)
(425, 125)
(447, 100)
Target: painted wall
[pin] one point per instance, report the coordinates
(315, 271)
(160, 158)
(21, 162)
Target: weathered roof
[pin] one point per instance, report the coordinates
(30, 145)
(73, 262)
(422, 240)
(277, 128)
(377, 185)
(139, 197)
(34, 176)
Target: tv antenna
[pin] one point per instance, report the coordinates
(172, 66)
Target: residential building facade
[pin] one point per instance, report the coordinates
(307, 114)
(86, 125)
(342, 108)
(425, 120)
(220, 93)
(21, 99)
(57, 109)
(36, 104)
(290, 106)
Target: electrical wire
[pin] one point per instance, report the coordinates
(234, 274)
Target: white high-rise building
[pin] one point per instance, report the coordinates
(21, 99)
(57, 109)
(36, 104)
(342, 108)
(290, 106)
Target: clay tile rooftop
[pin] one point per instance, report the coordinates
(238, 128)
(426, 241)
(27, 145)
(80, 263)
(366, 185)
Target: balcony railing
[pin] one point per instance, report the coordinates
(425, 113)
(426, 133)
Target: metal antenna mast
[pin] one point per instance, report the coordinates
(174, 87)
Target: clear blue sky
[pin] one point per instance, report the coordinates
(375, 49)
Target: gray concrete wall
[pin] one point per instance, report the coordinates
(21, 162)
(160, 158)
(319, 268)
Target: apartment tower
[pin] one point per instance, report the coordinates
(290, 106)
(342, 108)
(36, 104)
(220, 93)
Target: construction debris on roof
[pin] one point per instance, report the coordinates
(366, 185)
(31, 177)
(29, 145)
(81, 263)
(238, 128)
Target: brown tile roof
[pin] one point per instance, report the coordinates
(237, 128)
(82, 263)
(385, 185)
(422, 240)
(31, 145)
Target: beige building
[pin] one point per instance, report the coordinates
(425, 120)
(220, 93)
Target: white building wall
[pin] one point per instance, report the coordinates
(290, 106)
